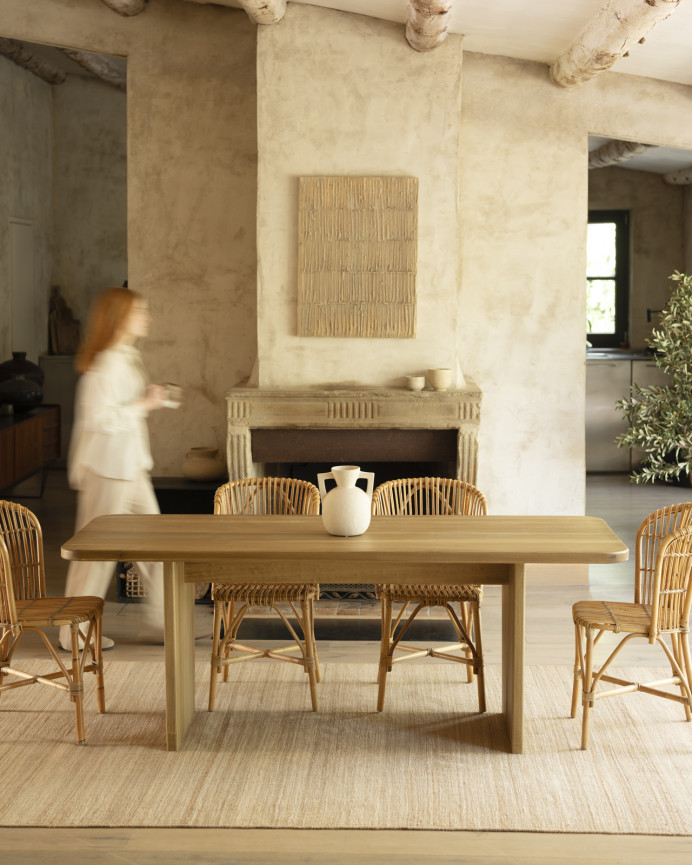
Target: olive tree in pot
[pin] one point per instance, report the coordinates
(660, 418)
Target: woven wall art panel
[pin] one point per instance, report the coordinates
(357, 254)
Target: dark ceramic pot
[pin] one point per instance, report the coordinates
(21, 393)
(20, 366)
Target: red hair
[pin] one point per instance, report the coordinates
(106, 320)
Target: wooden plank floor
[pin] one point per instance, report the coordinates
(348, 632)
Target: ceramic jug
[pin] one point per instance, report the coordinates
(346, 508)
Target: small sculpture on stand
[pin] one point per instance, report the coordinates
(63, 328)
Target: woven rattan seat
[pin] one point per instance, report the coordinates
(661, 608)
(231, 602)
(612, 616)
(418, 497)
(431, 596)
(55, 612)
(265, 595)
(24, 608)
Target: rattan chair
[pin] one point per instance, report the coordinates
(231, 602)
(426, 496)
(661, 606)
(24, 607)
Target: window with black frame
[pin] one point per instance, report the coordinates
(607, 278)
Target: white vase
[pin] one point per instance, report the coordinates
(346, 509)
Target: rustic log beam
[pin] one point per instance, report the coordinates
(616, 151)
(264, 11)
(258, 11)
(427, 23)
(127, 7)
(679, 178)
(17, 53)
(100, 66)
(607, 37)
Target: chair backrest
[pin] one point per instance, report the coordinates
(8, 609)
(267, 496)
(672, 587)
(428, 496)
(653, 529)
(21, 532)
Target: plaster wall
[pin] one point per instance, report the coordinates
(89, 190)
(657, 231)
(25, 190)
(191, 155)
(524, 201)
(342, 94)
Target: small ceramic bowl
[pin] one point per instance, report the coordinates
(415, 382)
(440, 379)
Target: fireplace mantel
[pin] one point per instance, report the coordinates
(357, 408)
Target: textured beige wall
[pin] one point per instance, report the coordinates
(25, 188)
(192, 151)
(342, 94)
(89, 190)
(524, 201)
(657, 226)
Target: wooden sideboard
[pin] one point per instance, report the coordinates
(28, 442)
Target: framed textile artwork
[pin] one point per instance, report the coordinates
(357, 256)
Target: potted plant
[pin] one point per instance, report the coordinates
(660, 418)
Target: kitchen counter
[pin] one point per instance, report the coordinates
(618, 354)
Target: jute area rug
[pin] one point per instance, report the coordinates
(429, 761)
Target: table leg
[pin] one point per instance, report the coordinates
(513, 615)
(179, 640)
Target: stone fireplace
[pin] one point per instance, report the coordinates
(268, 426)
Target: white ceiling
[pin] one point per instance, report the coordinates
(542, 29)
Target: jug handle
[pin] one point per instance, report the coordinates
(321, 478)
(370, 476)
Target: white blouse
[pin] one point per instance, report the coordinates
(110, 435)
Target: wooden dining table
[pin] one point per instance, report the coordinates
(490, 550)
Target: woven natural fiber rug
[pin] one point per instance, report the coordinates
(427, 762)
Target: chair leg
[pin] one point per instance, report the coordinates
(466, 621)
(215, 667)
(587, 696)
(76, 687)
(228, 614)
(311, 633)
(385, 651)
(98, 663)
(676, 644)
(685, 651)
(476, 613)
(577, 670)
(309, 652)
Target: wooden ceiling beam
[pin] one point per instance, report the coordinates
(607, 37)
(679, 178)
(126, 7)
(427, 23)
(18, 53)
(100, 66)
(264, 11)
(616, 151)
(258, 11)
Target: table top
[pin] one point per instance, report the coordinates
(415, 539)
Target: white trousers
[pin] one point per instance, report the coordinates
(100, 496)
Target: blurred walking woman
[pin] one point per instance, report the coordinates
(109, 458)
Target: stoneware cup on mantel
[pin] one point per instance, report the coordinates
(440, 379)
(346, 508)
